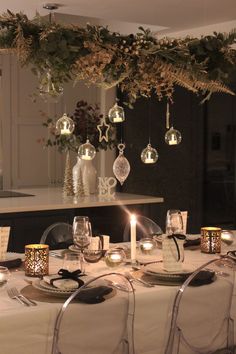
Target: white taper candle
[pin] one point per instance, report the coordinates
(133, 238)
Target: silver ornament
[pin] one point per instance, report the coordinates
(121, 166)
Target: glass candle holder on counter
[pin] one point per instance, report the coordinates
(36, 260)
(115, 257)
(211, 239)
(147, 245)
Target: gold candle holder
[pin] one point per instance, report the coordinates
(36, 260)
(211, 239)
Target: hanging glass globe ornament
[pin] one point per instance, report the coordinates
(149, 154)
(121, 166)
(65, 125)
(116, 114)
(173, 137)
(49, 90)
(87, 151)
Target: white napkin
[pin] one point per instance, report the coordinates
(63, 284)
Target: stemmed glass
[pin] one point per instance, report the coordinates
(174, 222)
(82, 234)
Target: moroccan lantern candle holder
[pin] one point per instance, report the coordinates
(211, 239)
(36, 260)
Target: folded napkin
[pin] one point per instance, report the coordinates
(11, 263)
(203, 277)
(94, 295)
(60, 283)
(65, 280)
(190, 243)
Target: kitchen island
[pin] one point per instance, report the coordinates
(30, 215)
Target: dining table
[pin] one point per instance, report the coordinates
(29, 330)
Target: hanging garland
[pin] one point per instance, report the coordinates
(140, 64)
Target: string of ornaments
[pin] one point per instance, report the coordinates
(121, 165)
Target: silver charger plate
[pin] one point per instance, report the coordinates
(156, 270)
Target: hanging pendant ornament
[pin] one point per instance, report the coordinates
(87, 151)
(121, 166)
(65, 125)
(116, 114)
(173, 137)
(103, 129)
(149, 155)
(49, 90)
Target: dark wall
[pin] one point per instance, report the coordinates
(178, 174)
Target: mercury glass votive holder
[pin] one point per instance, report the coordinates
(147, 245)
(114, 257)
(211, 239)
(36, 260)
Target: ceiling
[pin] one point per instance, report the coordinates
(167, 15)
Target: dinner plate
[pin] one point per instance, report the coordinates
(156, 270)
(43, 286)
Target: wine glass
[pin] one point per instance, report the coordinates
(82, 234)
(174, 222)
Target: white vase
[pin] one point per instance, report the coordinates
(89, 175)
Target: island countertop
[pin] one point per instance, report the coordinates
(53, 199)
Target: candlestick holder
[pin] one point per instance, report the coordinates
(36, 260)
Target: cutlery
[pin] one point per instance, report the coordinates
(25, 299)
(54, 254)
(138, 280)
(15, 297)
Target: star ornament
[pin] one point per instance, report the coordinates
(103, 129)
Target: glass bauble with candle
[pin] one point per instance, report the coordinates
(149, 155)
(173, 137)
(115, 257)
(87, 151)
(65, 125)
(116, 114)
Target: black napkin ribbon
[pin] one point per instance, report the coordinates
(65, 274)
(178, 237)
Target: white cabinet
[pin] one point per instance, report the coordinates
(23, 160)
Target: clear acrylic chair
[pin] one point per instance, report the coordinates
(145, 227)
(105, 327)
(58, 236)
(201, 321)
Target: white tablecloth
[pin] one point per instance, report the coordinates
(29, 330)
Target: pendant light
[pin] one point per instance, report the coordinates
(87, 151)
(172, 136)
(65, 125)
(149, 155)
(116, 114)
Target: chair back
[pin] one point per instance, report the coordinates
(145, 227)
(97, 324)
(58, 236)
(201, 321)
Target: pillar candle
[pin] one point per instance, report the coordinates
(133, 238)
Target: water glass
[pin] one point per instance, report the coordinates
(174, 222)
(71, 261)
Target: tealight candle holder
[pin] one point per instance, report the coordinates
(211, 239)
(227, 236)
(36, 260)
(147, 245)
(114, 257)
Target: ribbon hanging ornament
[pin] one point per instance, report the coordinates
(121, 166)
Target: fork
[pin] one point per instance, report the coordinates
(15, 294)
(138, 280)
(12, 295)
